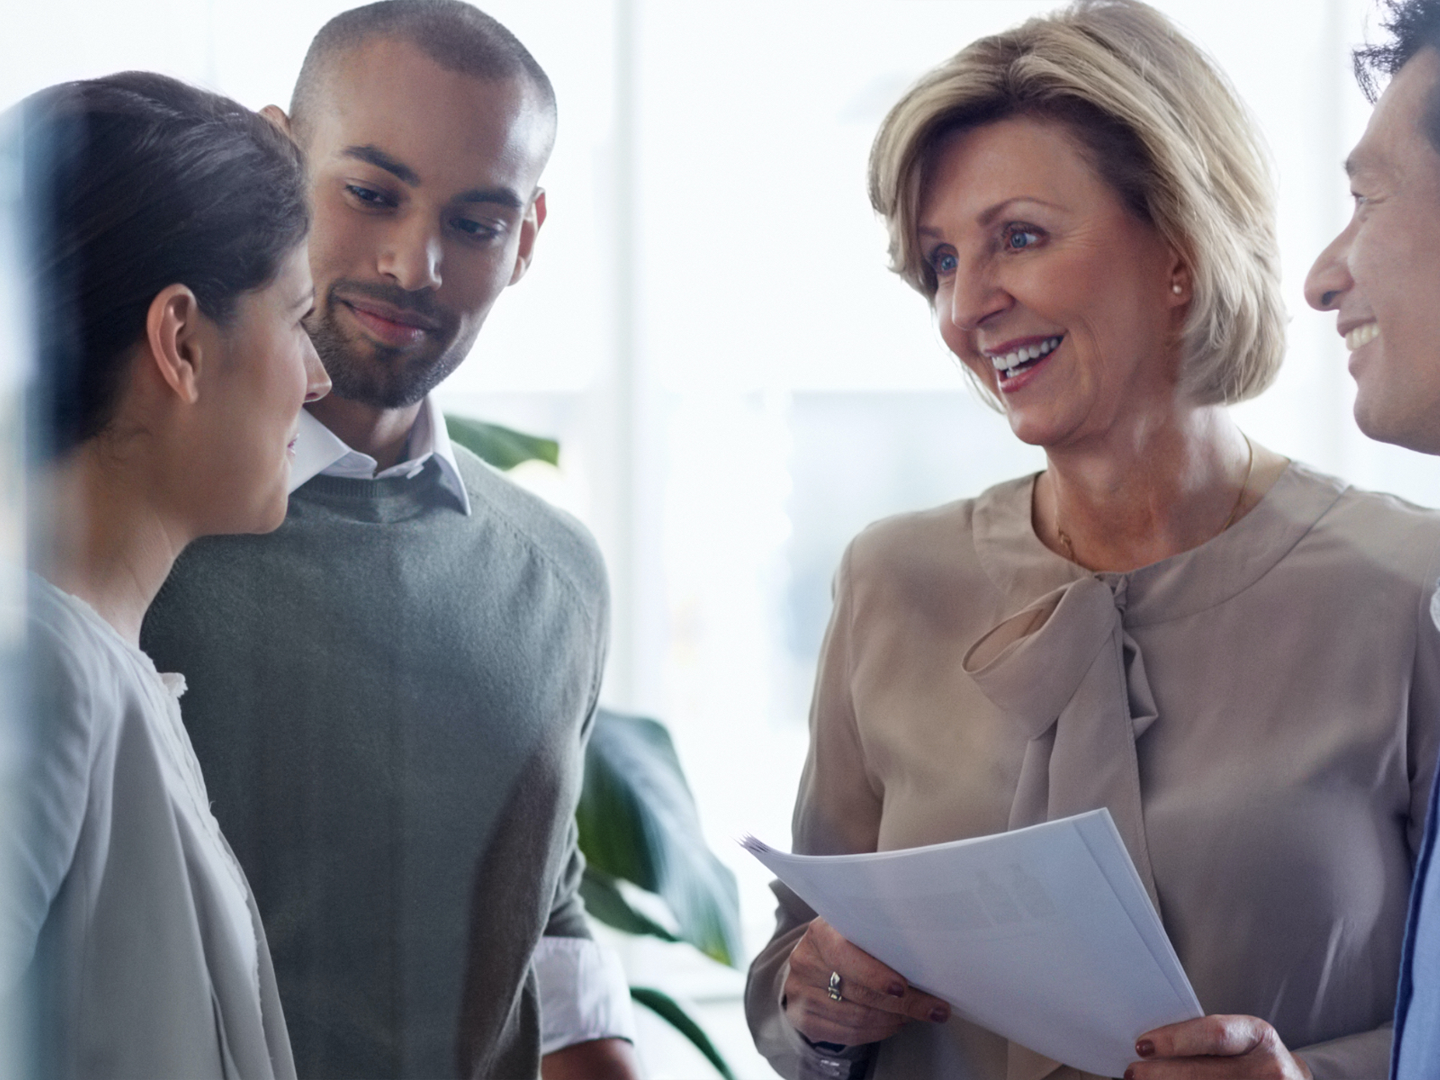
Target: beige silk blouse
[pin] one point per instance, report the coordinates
(1261, 714)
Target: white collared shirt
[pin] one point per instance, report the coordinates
(584, 994)
(319, 451)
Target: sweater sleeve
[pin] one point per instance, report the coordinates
(567, 911)
(582, 986)
(837, 811)
(53, 767)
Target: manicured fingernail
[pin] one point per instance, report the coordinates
(1130, 1073)
(1145, 1048)
(940, 1014)
(896, 989)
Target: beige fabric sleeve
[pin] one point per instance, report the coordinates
(837, 810)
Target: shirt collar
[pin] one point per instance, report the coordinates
(1203, 577)
(319, 451)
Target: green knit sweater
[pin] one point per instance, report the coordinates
(389, 700)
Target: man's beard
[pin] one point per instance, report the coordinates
(377, 375)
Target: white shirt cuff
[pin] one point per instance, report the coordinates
(584, 994)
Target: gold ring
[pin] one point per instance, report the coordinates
(835, 986)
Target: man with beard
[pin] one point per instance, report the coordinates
(1382, 276)
(390, 695)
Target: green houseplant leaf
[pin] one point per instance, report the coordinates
(665, 1006)
(604, 900)
(637, 821)
(500, 446)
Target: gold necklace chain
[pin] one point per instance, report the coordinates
(1239, 498)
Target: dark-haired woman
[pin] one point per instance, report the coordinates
(171, 281)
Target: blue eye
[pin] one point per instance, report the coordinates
(1018, 239)
(944, 263)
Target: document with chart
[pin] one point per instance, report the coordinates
(1044, 935)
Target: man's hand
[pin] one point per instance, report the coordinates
(1215, 1048)
(598, 1059)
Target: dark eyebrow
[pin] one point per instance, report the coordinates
(373, 155)
(503, 196)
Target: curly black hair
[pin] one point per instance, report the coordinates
(1412, 25)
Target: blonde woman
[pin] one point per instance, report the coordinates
(1227, 649)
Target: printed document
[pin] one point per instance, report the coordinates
(1044, 935)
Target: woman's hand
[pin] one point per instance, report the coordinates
(1214, 1048)
(875, 1002)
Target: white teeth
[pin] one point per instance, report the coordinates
(1362, 335)
(1011, 360)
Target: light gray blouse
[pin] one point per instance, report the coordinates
(125, 918)
(1261, 714)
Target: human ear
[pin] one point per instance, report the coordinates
(276, 116)
(1179, 285)
(529, 228)
(174, 333)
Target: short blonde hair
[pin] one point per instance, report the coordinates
(1160, 124)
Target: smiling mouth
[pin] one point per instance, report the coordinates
(1012, 363)
(394, 328)
(1362, 335)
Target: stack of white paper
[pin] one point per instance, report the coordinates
(1044, 935)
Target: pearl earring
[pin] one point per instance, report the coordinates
(1175, 288)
